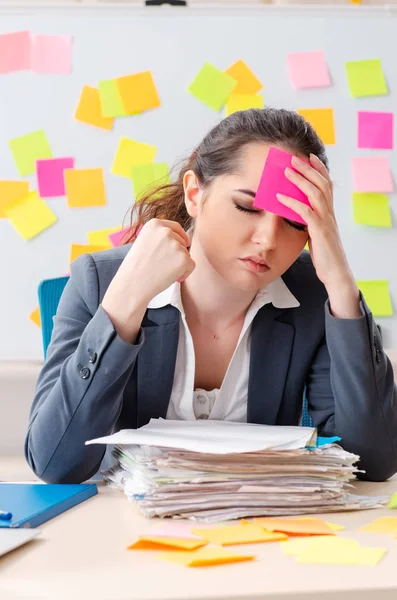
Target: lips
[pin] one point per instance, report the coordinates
(255, 264)
(258, 261)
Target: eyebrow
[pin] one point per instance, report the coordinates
(248, 192)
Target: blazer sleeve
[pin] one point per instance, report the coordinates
(79, 392)
(351, 392)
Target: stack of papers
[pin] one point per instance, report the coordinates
(216, 470)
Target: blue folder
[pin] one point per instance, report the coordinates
(32, 504)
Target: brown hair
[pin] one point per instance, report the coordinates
(219, 153)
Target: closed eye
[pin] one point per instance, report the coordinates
(298, 226)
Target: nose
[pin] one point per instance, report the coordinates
(267, 230)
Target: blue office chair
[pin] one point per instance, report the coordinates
(49, 292)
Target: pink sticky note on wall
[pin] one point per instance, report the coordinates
(118, 237)
(15, 51)
(372, 174)
(375, 130)
(308, 69)
(52, 54)
(50, 176)
(274, 181)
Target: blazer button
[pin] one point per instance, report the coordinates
(92, 357)
(85, 373)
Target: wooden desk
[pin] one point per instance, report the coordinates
(82, 554)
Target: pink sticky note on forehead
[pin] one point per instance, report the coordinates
(274, 181)
(50, 176)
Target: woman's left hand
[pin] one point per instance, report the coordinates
(328, 255)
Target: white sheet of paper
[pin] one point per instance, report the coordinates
(215, 437)
(12, 538)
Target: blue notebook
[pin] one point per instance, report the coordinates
(32, 504)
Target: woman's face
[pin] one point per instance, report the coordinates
(247, 247)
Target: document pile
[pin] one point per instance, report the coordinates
(217, 470)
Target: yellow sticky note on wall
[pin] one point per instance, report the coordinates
(138, 92)
(110, 99)
(366, 78)
(30, 215)
(204, 557)
(35, 317)
(322, 121)
(89, 109)
(243, 102)
(29, 148)
(77, 250)
(377, 296)
(247, 82)
(85, 187)
(100, 237)
(130, 153)
(11, 191)
(371, 209)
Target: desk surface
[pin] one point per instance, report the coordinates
(82, 554)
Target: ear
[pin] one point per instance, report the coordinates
(193, 193)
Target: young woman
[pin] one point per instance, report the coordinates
(215, 311)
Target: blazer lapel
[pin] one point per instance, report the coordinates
(156, 363)
(271, 346)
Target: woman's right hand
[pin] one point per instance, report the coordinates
(157, 259)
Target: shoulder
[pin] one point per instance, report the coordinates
(301, 279)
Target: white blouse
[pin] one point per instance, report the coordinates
(228, 403)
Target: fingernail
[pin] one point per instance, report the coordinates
(315, 157)
(288, 171)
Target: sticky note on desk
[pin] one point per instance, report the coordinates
(366, 78)
(11, 191)
(237, 102)
(372, 209)
(295, 526)
(274, 181)
(145, 177)
(375, 129)
(110, 99)
(247, 82)
(138, 92)
(50, 176)
(89, 109)
(364, 556)
(372, 174)
(308, 70)
(29, 148)
(162, 543)
(85, 187)
(381, 525)
(377, 296)
(322, 121)
(212, 86)
(30, 215)
(15, 51)
(130, 153)
(52, 54)
(300, 545)
(246, 533)
(205, 557)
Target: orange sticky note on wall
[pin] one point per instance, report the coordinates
(247, 82)
(161, 543)
(322, 121)
(35, 317)
(89, 109)
(138, 92)
(77, 250)
(11, 191)
(85, 187)
(204, 557)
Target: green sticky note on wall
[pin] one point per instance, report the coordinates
(377, 296)
(371, 209)
(111, 104)
(212, 86)
(29, 148)
(366, 78)
(149, 176)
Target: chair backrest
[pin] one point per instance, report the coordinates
(50, 292)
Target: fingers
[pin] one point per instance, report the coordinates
(303, 210)
(178, 229)
(312, 180)
(189, 271)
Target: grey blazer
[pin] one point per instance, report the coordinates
(93, 383)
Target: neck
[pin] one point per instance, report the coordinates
(209, 299)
